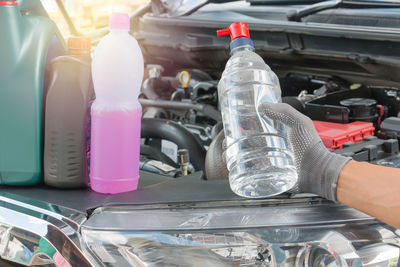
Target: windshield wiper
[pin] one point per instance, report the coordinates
(190, 6)
(296, 15)
(282, 2)
(67, 18)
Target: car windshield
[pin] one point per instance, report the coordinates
(186, 7)
(88, 15)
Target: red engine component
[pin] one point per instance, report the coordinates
(334, 135)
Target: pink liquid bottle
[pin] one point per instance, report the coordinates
(117, 70)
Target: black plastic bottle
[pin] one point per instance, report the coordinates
(67, 117)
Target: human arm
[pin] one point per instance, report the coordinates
(373, 189)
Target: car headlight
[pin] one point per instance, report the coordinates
(239, 235)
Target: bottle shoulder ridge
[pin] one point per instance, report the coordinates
(72, 59)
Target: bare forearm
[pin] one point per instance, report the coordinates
(372, 189)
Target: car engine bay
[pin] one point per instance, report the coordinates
(344, 79)
(339, 67)
(188, 102)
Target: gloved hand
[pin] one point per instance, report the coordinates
(318, 168)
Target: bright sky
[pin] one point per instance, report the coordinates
(89, 14)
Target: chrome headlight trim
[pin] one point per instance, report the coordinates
(35, 232)
(238, 233)
(197, 216)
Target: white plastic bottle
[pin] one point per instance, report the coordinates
(259, 155)
(117, 70)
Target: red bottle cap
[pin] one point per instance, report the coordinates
(236, 30)
(79, 46)
(8, 3)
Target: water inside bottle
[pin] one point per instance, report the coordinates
(259, 155)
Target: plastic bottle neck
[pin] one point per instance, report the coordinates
(84, 58)
(241, 44)
(118, 31)
(242, 48)
(12, 11)
(12, 24)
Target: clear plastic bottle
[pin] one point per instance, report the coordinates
(117, 70)
(258, 153)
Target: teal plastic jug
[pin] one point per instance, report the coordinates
(27, 42)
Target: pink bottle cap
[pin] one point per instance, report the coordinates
(119, 21)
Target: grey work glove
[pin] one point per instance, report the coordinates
(317, 167)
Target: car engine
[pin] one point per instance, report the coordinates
(182, 118)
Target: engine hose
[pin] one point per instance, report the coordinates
(215, 164)
(172, 131)
(207, 110)
(216, 129)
